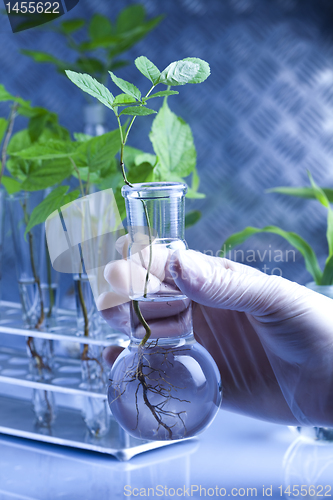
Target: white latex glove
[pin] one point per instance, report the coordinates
(272, 339)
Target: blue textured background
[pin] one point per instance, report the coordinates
(263, 117)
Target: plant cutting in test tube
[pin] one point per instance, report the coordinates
(149, 368)
(30, 174)
(190, 70)
(25, 176)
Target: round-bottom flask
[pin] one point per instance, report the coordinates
(167, 386)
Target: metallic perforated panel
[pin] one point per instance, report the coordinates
(261, 120)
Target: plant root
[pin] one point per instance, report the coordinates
(153, 381)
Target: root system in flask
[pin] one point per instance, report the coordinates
(165, 392)
(164, 386)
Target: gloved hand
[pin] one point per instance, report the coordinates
(272, 339)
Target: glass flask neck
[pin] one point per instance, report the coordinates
(162, 202)
(155, 215)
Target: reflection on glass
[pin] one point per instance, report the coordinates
(308, 467)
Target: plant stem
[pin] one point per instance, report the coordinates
(30, 342)
(150, 248)
(38, 358)
(49, 281)
(133, 117)
(136, 306)
(143, 322)
(37, 281)
(83, 307)
(78, 175)
(9, 132)
(84, 355)
(87, 183)
(33, 267)
(123, 142)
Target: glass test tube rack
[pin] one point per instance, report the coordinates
(17, 386)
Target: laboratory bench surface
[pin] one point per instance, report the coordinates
(232, 457)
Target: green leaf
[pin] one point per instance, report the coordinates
(6, 96)
(3, 128)
(192, 218)
(322, 198)
(44, 57)
(302, 192)
(89, 65)
(86, 175)
(120, 63)
(294, 239)
(195, 195)
(148, 69)
(129, 156)
(130, 37)
(130, 18)
(126, 87)
(179, 73)
(100, 43)
(141, 173)
(48, 150)
(110, 169)
(99, 27)
(92, 87)
(137, 111)
(161, 176)
(54, 131)
(319, 193)
(80, 137)
(47, 174)
(139, 165)
(43, 125)
(22, 140)
(115, 182)
(145, 158)
(204, 69)
(68, 198)
(98, 152)
(36, 126)
(19, 141)
(173, 144)
(329, 232)
(163, 93)
(327, 278)
(11, 185)
(123, 100)
(195, 180)
(192, 191)
(18, 168)
(120, 202)
(58, 132)
(31, 112)
(55, 200)
(69, 27)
